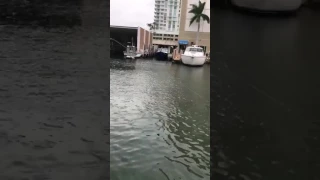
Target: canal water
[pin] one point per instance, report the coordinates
(54, 99)
(265, 96)
(159, 120)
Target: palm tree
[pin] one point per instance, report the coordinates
(198, 15)
(151, 26)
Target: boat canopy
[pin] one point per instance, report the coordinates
(183, 42)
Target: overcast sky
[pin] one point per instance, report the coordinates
(131, 12)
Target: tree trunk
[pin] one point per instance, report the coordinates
(197, 40)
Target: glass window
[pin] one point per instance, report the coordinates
(195, 50)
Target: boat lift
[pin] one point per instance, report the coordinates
(130, 50)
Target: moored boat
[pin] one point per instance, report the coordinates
(269, 5)
(162, 54)
(138, 55)
(130, 52)
(193, 56)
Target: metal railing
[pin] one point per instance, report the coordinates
(111, 39)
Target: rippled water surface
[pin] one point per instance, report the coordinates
(265, 91)
(159, 120)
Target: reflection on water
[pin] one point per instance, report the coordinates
(123, 64)
(159, 121)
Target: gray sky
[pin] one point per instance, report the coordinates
(131, 12)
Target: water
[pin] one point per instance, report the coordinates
(54, 92)
(159, 121)
(265, 87)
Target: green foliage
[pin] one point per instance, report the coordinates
(198, 15)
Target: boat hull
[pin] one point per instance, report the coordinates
(193, 60)
(138, 55)
(129, 57)
(161, 56)
(268, 5)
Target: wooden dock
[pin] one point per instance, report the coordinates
(176, 55)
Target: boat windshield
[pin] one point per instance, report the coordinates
(195, 50)
(164, 50)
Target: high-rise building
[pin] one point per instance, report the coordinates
(167, 22)
(187, 32)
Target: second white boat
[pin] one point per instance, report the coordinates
(193, 56)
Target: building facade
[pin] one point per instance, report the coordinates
(187, 32)
(144, 40)
(121, 36)
(167, 22)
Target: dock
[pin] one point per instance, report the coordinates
(176, 55)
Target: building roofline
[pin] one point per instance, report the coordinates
(123, 27)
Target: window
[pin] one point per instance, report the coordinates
(195, 49)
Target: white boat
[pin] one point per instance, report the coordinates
(130, 53)
(138, 55)
(194, 56)
(269, 5)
